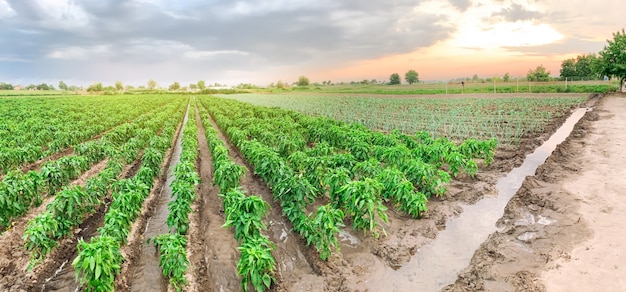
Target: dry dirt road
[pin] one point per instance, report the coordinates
(565, 230)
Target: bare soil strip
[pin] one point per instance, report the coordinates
(563, 230)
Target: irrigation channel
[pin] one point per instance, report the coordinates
(438, 263)
(147, 275)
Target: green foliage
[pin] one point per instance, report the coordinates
(394, 79)
(173, 258)
(411, 77)
(612, 61)
(538, 74)
(256, 265)
(303, 81)
(97, 263)
(363, 203)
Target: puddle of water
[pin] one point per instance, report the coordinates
(526, 236)
(147, 275)
(347, 238)
(437, 264)
(545, 220)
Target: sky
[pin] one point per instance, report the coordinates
(263, 41)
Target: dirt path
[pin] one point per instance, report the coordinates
(563, 231)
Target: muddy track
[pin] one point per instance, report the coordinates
(541, 224)
(132, 250)
(298, 266)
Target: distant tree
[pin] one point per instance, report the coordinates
(193, 86)
(152, 84)
(612, 61)
(506, 77)
(201, 85)
(475, 78)
(584, 66)
(95, 87)
(568, 68)
(539, 74)
(411, 77)
(303, 81)
(175, 86)
(6, 86)
(63, 86)
(280, 84)
(394, 79)
(31, 86)
(129, 87)
(119, 86)
(43, 86)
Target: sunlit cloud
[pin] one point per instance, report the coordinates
(78, 53)
(5, 10)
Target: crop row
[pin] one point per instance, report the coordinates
(70, 206)
(243, 212)
(34, 128)
(304, 158)
(19, 192)
(172, 245)
(505, 118)
(99, 260)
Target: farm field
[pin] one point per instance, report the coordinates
(237, 195)
(482, 116)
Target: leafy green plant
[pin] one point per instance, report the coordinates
(256, 265)
(97, 263)
(364, 204)
(173, 258)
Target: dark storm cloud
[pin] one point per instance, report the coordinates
(243, 33)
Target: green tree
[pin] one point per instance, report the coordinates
(539, 74)
(95, 87)
(568, 68)
(119, 86)
(411, 77)
(394, 79)
(152, 84)
(612, 61)
(193, 86)
(475, 78)
(303, 81)
(506, 77)
(201, 85)
(175, 86)
(63, 86)
(280, 84)
(584, 66)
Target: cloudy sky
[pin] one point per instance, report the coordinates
(263, 41)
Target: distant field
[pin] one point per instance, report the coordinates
(513, 86)
(505, 117)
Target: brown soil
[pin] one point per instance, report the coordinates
(563, 230)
